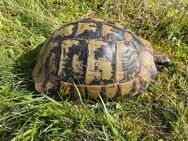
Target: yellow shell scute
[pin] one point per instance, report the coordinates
(106, 29)
(82, 27)
(147, 45)
(69, 43)
(111, 90)
(128, 36)
(66, 31)
(94, 92)
(126, 88)
(77, 65)
(147, 64)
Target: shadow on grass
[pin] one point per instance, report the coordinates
(24, 66)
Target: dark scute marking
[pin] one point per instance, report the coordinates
(50, 92)
(118, 36)
(107, 52)
(86, 93)
(103, 93)
(134, 87)
(46, 70)
(57, 52)
(113, 24)
(82, 52)
(97, 81)
(74, 30)
(55, 88)
(111, 37)
(58, 38)
(118, 93)
(136, 42)
(99, 53)
(89, 34)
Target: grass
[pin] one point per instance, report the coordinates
(160, 114)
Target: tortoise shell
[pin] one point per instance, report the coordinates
(93, 57)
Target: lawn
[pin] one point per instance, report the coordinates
(159, 114)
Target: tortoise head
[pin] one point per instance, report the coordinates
(161, 60)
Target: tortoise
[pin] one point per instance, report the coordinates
(93, 57)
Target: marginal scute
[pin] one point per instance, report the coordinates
(126, 88)
(40, 75)
(38, 87)
(79, 90)
(116, 90)
(107, 29)
(111, 91)
(65, 89)
(94, 92)
(119, 26)
(50, 85)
